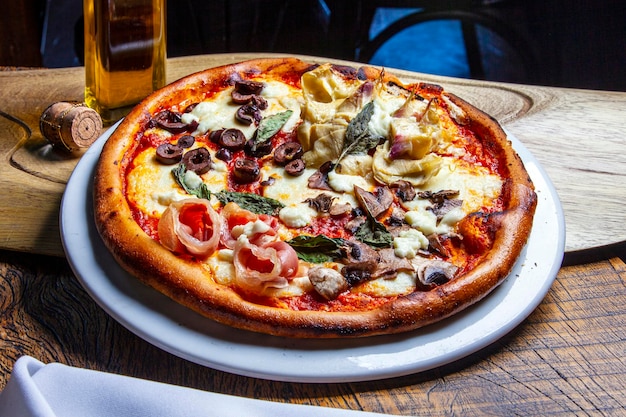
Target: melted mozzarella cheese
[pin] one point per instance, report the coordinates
(296, 216)
(291, 191)
(324, 92)
(222, 267)
(423, 220)
(219, 112)
(345, 183)
(476, 185)
(297, 286)
(408, 243)
(404, 283)
(151, 185)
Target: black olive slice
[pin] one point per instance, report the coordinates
(295, 168)
(258, 150)
(269, 181)
(186, 141)
(168, 153)
(248, 114)
(224, 154)
(249, 87)
(171, 122)
(245, 90)
(259, 102)
(214, 136)
(246, 170)
(287, 152)
(190, 107)
(239, 98)
(232, 139)
(198, 160)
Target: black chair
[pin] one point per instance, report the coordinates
(351, 22)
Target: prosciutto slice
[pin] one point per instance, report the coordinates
(238, 221)
(190, 225)
(271, 265)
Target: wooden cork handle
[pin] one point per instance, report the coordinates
(70, 126)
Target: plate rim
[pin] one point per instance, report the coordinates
(349, 356)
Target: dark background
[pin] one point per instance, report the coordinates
(579, 44)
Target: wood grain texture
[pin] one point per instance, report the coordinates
(567, 358)
(577, 135)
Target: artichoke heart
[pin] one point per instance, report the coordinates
(322, 142)
(413, 137)
(323, 129)
(415, 171)
(323, 85)
(410, 139)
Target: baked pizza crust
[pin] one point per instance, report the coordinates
(183, 281)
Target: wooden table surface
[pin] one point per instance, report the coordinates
(567, 358)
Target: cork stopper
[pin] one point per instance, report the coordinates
(70, 126)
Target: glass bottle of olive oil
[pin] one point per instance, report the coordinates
(125, 51)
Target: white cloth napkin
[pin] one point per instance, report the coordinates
(54, 390)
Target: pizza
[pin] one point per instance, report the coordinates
(313, 200)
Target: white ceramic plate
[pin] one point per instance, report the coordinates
(186, 334)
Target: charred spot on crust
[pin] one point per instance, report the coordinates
(431, 88)
(346, 71)
(478, 231)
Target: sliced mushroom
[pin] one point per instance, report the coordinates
(322, 202)
(358, 253)
(438, 196)
(443, 208)
(353, 225)
(374, 203)
(340, 209)
(327, 282)
(404, 190)
(389, 264)
(443, 201)
(319, 179)
(396, 219)
(360, 260)
(355, 275)
(432, 272)
(436, 244)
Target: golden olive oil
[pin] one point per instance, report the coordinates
(125, 50)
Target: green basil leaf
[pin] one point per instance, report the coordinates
(202, 191)
(374, 233)
(270, 125)
(249, 201)
(317, 249)
(359, 138)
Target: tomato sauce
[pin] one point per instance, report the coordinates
(328, 226)
(345, 302)
(478, 152)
